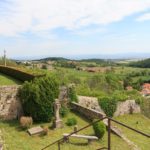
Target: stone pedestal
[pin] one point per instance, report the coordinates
(57, 122)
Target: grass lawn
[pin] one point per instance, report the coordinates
(139, 122)
(16, 139)
(7, 80)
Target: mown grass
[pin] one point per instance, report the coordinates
(139, 122)
(7, 80)
(17, 139)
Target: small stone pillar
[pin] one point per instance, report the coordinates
(75, 128)
(57, 122)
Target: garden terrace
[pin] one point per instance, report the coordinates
(18, 74)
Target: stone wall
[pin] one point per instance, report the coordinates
(86, 112)
(90, 102)
(10, 106)
(127, 107)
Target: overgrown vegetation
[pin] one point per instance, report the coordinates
(38, 96)
(108, 104)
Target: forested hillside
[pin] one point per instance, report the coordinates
(142, 64)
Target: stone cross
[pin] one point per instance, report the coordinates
(57, 122)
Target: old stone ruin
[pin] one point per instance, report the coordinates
(10, 106)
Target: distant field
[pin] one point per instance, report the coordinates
(126, 70)
(128, 61)
(6, 80)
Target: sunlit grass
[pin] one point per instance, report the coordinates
(7, 80)
(16, 139)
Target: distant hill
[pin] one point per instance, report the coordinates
(80, 60)
(54, 59)
(141, 64)
(89, 62)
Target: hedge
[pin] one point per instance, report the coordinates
(18, 74)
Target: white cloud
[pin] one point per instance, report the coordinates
(144, 17)
(36, 16)
(88, 32)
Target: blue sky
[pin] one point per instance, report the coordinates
(43, 28)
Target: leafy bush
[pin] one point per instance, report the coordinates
(108, 104)
(26, 122)
(72, 94)
(99, 129)
(38, 96)
(71, 121)
(64, 111)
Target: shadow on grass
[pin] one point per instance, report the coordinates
(13, 124)
(78, 144)
(81, 116)
(11, 78)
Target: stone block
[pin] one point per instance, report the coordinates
(35, 130)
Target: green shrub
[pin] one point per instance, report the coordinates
(37, 98)
(108, 104)
(71, 121)
(64, 111)
(99, 129)
(72, 94)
